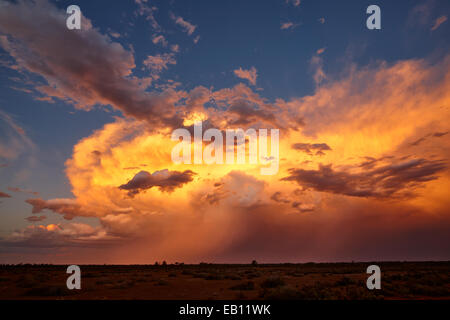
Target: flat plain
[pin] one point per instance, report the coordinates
(309, 281)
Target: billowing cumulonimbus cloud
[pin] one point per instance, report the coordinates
(308, 148)
(252, 210)
(249, 75)
(165, 180)
(346, 106)
(399, 179)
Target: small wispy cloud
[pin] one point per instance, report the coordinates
(157, 63)
(4, 195)
(316, 64)
(35, 218)
(159, 39)
(14, 140)
(147, 12)
(288, 25)
(188, 27)
(15, 189)
(320, 51)
(438, 22)
(295, 3)
(249, 75)
(114, 34)
(420, 14)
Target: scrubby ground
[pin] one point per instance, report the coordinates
(399, 280)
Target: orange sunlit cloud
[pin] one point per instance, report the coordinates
(363, 159)
(362, 128)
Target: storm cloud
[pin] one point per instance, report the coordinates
(165, 180)
(389, 181)
(309, 148)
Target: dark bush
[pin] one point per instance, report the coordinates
(249, 285)
(344, 281)
(272, 282)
